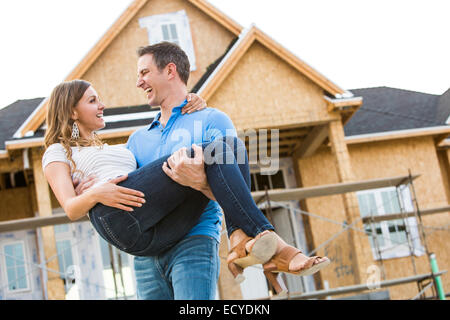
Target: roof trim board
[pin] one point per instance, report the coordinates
(365, 138)
(247, 38)
(38, 142)
(23, 130)
(34, 122)
(443, 131)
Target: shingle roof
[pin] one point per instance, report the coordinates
(12, 117)
(389, 109)
(384, 109)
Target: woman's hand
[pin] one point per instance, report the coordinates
(112, 195)
(195, 103)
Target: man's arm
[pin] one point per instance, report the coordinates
(191, 172)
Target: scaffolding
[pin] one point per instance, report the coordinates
(271, 197)
(424, 281)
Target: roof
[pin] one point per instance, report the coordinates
(389, 109)
(13, 116)
(80, 69)
(115, 118)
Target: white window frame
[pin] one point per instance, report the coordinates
(69, 235)
(390, 249)
(27, 271)
(154, 24)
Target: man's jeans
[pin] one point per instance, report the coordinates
(189, 270)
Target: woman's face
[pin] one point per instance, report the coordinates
(89, 113)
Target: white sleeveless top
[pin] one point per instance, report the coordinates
(105, 162)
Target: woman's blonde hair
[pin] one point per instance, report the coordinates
(63, 100)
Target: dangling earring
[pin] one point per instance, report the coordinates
(75, 132)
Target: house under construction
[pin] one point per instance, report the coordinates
(361, 176)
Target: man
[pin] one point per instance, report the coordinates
(190, 269)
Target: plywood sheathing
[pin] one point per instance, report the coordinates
(55, 285)
(264, 91)
(228, 288)
(419, 155)
(445, 170)
(372, 161)
(16, 204)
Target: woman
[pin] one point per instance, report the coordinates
(169, 210)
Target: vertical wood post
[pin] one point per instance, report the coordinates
(55, 285)
(228, 288)
(345, 174)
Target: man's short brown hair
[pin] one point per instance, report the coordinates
(165, 53)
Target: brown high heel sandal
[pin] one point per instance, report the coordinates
(280, 263)
(261, 251)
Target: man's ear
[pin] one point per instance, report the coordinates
(171, 70)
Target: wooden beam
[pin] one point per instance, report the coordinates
(330, 189)
(311, 143)
(400, 215)
(274, 195)
(37, 222)
(11, 165)
(55, 285)
(356, 288)
(345, 174)
(344, 104)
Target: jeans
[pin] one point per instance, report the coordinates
(189, 270)
(171, 210)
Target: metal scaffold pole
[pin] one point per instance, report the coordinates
(422, 230)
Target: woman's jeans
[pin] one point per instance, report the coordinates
(172, 210)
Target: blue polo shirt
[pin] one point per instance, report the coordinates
(153, 142)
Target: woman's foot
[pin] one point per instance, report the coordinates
(299, 261)
(237, 237)
(247, 251)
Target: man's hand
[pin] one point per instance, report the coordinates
(82, 185)
(188, 171)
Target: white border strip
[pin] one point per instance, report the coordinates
(41, 139)
(389, 133)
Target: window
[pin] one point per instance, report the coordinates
(391, 235)
(117, 272)
(260, 181)
(173, 27)
(65, 259)
(12, 180)
(16, 271)
(170, 33)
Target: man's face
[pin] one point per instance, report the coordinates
(151, 80)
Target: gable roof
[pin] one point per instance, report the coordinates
(34, 122)
(225, 64)
(13, 116)
(388, 109)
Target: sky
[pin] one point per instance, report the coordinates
(354, 43)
